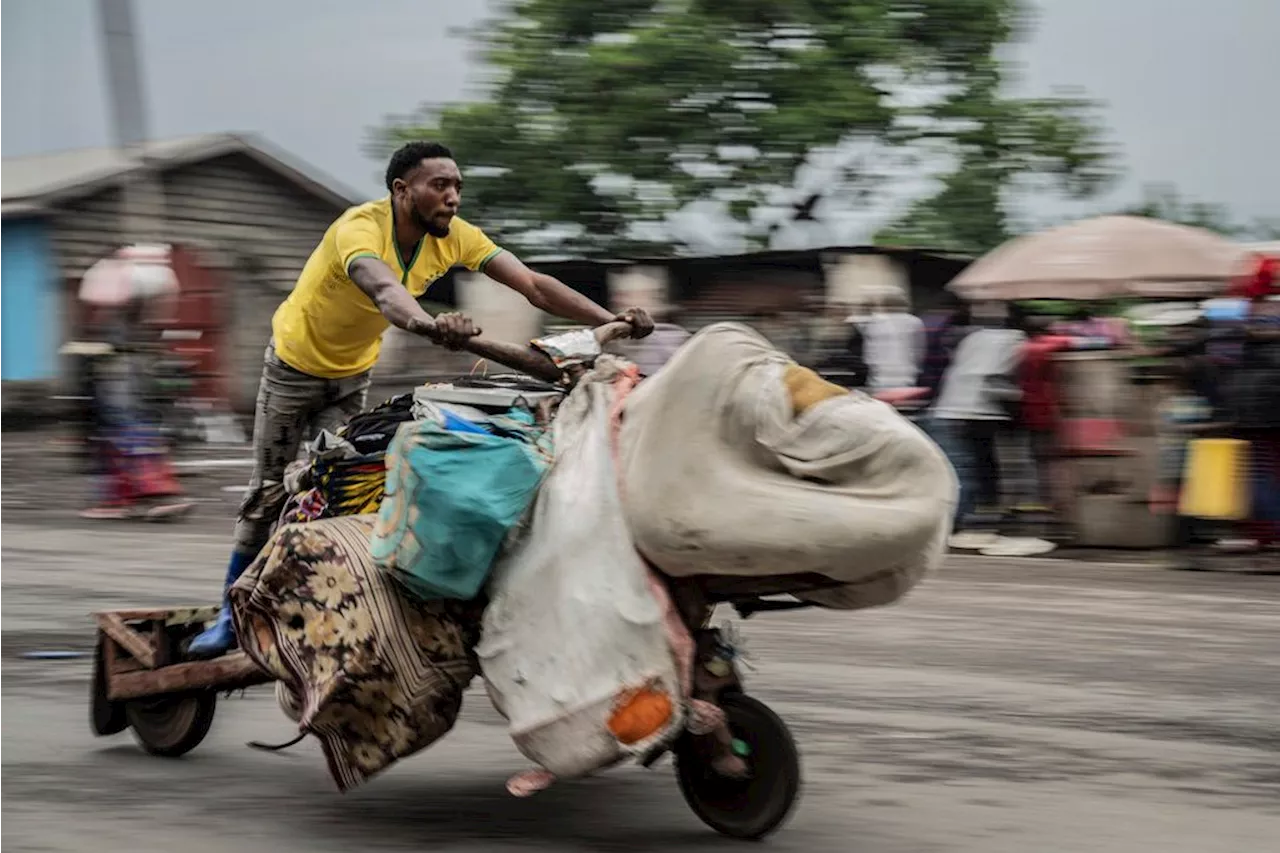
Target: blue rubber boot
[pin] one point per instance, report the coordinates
(220, 638)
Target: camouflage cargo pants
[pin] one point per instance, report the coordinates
(292, 407)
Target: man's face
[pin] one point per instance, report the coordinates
(430, 194)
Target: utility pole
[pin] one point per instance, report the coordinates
(142, 197)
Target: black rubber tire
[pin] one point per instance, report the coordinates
(747, 809)
(105, 717)
(170, 726)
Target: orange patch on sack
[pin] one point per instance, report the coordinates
(640, 714)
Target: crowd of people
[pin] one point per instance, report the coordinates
(985, 381)
(1224, 382)
(981, 381)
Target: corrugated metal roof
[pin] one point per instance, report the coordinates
(28, 183)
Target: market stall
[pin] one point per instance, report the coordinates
(1118, 266)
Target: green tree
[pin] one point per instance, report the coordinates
(1010, 144)
(603, 118)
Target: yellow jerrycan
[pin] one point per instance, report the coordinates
(1216, 481)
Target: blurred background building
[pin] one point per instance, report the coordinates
(244, 218)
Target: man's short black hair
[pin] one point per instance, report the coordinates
(411, 154)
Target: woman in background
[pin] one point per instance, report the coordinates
(134, 474)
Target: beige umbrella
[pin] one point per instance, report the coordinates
(1104, 258)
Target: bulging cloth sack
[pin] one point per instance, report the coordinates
(726, 472)
(573, 635)
(452, 499)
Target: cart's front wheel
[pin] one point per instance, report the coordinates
(170, 726)
(755, 806)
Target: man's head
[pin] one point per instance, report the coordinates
(425, 186)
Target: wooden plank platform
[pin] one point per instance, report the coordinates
(136, 647)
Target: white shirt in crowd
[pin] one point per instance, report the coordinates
(893, 347)
(983, 354)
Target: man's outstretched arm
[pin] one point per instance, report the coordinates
(555, 297)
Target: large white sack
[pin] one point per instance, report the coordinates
(572, 623)
(720, 478)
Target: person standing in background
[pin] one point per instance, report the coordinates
(1254, 403)
(944, 328)
(1041, 410)
(841, 358)
(973, 406)
(894, 344)
(134, 475)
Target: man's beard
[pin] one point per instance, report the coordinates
(430, 226)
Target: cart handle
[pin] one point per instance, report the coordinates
(537, 364)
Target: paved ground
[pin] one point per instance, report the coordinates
(1035, 705)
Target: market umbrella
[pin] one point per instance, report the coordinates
(131, 272)
(1105, 258)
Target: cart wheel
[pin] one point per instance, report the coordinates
(105, 717)
(170, 726)
(750, 808)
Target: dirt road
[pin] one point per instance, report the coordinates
(1039, 705)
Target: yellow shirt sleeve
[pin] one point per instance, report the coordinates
(358, 237)
(475, 249)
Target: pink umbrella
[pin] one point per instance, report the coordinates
(131, 272)
(1103, 258)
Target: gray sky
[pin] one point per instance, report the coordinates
(1189, 85)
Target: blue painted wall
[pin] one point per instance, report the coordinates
(29, 303)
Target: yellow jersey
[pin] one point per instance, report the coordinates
(328, 327)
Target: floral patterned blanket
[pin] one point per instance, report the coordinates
(374, 673)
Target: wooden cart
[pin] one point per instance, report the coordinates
(141, 682)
